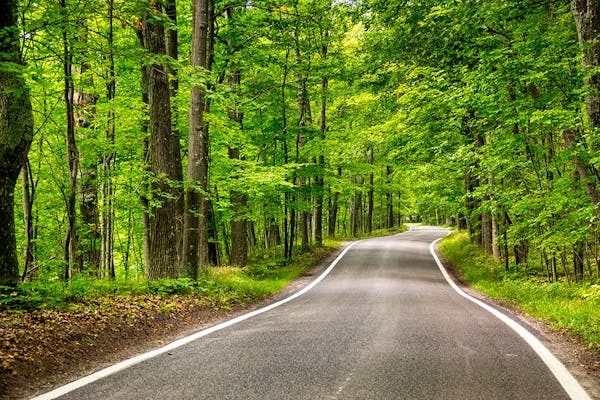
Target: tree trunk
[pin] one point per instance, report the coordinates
(146, 187)
(356, 205)
(389, 200)
(239, 244)
(587, 173)
(495, 247)
(578, 257)
(304, 119)
(71, 247)
(172, 51)
(587, 20)
(371, 192)
(28, 189)
(195, 228)
(16, 134)
(319, 180)
(107, 264)
(164, 165)
(195, 212)
(89, 230)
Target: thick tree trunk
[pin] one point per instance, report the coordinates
(172, 51)
(587, 20)
(16, 134)
(587, 173)
(164, 165)
(89, 230)
(195, 223)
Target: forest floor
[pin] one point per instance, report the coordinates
(40, 350)
(43, 349)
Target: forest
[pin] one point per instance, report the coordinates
(150, 139)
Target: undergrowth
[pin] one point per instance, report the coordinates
(572, 307)
(219, 287)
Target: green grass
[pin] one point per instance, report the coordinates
(571, 307)
(220, 287)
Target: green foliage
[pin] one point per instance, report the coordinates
(220, 287)
(571, 307)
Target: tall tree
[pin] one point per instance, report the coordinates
(587, 20)
(72, 261)
(107, 263)
(195, 224)
(16, 134)
(164, 151)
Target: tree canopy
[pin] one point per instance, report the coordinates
(173, 135)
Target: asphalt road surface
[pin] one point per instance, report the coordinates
(384, 324)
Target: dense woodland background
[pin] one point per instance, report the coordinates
(172, 135)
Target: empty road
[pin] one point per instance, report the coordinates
(383, 324)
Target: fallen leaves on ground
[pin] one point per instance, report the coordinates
(42, 348)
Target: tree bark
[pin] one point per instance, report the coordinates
(16, 134)
(389, 199)
(587, 20)
(164, 166)
(88, 231)
(146, 188)
(107, 264)
(304, 118)
(239, 244)
(319, 179)
(28, 189)
(370, 194)
(333, 209)
(195, 223)
(71, 246)
(172, 47)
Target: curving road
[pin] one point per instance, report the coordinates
(384, 324)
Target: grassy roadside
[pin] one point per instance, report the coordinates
(216, 287)
(574, 308)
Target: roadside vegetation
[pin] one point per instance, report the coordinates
(219, 287)
(565, 305)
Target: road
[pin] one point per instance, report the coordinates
(384, 324)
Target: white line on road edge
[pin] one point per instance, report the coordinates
(564, 377)
(178, 343)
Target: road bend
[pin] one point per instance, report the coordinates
(383, 324)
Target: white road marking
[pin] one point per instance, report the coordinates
(178, 343)
(564, 377)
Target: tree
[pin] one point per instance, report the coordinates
(587, 20)
(165, 157)
(195, 229)
(16, 134)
